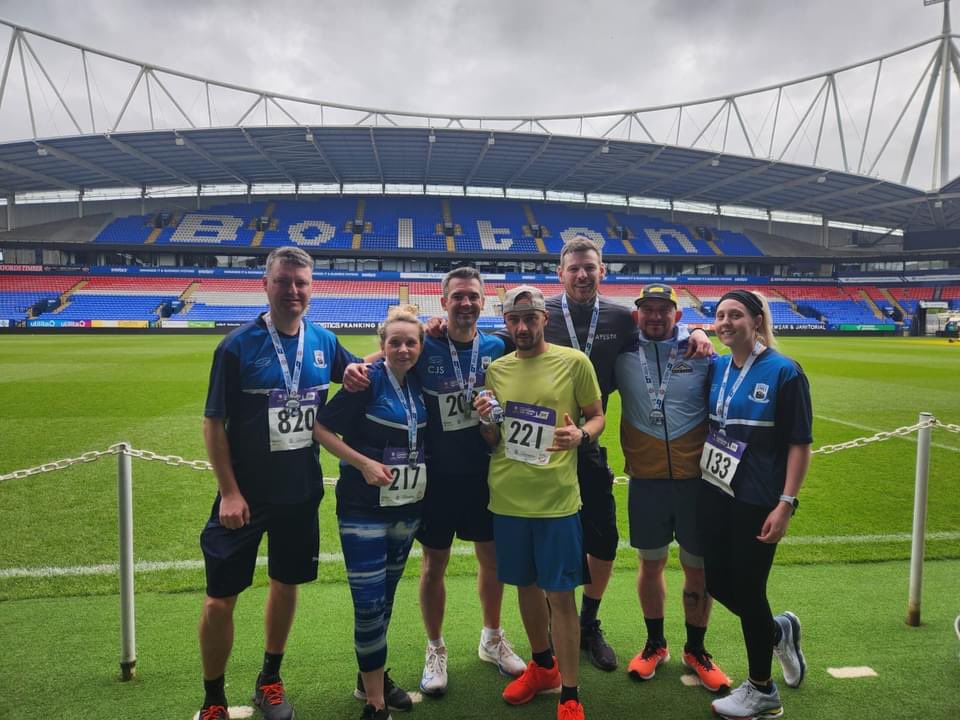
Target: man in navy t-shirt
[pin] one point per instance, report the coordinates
(268, 380)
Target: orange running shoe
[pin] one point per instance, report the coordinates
(711, 676)
(534, 681)
(570, 710)
(644, 666)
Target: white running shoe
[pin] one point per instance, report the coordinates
(499, 652)
(788, 649)
(748, 703)
(434, 678)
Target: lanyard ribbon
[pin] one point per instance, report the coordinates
(723, 404)
(410, 410)
(657, 396)
(292, 384)
(591, 332)
(466, 389)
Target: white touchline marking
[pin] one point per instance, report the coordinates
(847, 673)
(146, 566)
(858, 426)
(237, 712)
(690, 680)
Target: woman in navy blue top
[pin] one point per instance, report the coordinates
(754, 461)
(383, 476)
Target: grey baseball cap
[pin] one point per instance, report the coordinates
(523, 298)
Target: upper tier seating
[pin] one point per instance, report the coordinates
(419, 223)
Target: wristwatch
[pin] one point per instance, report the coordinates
(792, 501)
(584, 437)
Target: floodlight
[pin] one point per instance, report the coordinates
(42, 151)
(180, 141)
(308, 137)
(491, 140)
(821, 179)
(714, 162)
(605, 148)
(431, 138)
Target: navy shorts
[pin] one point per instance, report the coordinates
(293, 545)
(455, 506)
(661, 510)
(599, 510)
(546, 552)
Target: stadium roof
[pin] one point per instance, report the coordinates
(464, 157)
(727, 150)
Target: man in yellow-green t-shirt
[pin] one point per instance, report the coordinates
(536, 397)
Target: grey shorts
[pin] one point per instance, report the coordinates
(661, 510)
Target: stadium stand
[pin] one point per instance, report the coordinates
(423, 224)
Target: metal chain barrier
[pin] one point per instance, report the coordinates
(177, 461)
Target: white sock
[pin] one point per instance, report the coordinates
(489, 633)
(438, 643)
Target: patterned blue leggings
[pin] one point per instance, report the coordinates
(375, 553)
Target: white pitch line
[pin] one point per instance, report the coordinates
(146, 566)
(858, 426)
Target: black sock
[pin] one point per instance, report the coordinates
(213, 693)
(655, 631)
(544, 659)
(695, 637)
(588, 611)
(568, 693)
(766, 689)
(271, 666)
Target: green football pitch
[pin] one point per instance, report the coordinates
(842, 568)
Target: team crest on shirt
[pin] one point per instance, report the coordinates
(318, 359)
(485, 362)
(759, 393)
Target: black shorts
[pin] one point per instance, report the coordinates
(455, 506)
(293, 545)
(598, 513)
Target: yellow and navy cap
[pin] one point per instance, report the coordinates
(658, 291)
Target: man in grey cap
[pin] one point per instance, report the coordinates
(530, 412)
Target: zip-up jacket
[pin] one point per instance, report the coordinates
(671, 449)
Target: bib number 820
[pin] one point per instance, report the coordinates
(303, 420)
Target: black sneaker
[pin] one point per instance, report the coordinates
(397, 698)
(601, 654)
(272, 700)
(214, 712)
(371, 713)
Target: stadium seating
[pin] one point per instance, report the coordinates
(420, 223)
(109, 307)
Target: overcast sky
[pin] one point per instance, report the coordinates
(488, 56)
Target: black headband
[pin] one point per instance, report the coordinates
(745, 298)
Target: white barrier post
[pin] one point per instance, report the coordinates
(919, 520)
(128, 640)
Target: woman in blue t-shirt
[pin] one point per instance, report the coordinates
(754, 461)
(378, 435)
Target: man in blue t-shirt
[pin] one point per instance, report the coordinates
(268, 380)
(452, 370)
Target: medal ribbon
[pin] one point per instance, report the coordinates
(466, 390)
(657, 396)
(594, 321)
(291, 383)
(723, 405)
(410, 410)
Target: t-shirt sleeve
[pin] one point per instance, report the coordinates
(224, 382)
(794, 414)
(345, 410)
(504, 334)
(586, 387)
(341, 358)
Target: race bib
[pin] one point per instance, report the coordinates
(455, 412)
(528, 432)
(291, 429)
(719, 460)
(409, 482)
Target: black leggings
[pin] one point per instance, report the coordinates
(737, 566)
